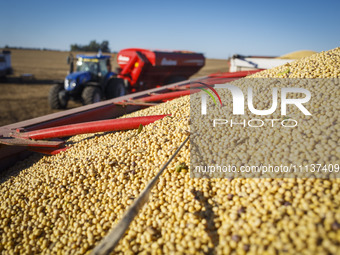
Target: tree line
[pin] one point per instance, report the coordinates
(92, 46)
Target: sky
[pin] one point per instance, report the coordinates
(218, 29)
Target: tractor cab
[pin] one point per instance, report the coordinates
(97, 66)
(90, 70)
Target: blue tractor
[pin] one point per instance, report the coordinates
(92, 82)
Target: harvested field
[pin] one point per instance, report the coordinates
(26, 99)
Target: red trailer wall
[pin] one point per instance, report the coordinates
(150, 68)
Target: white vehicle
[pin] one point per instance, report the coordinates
(245, 63)
(5, 63)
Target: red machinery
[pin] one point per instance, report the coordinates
(145, 69)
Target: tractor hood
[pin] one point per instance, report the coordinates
(74, 79)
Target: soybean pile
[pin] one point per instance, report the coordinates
(65, 204)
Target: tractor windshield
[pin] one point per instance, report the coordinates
(98, 67)
(88, 66)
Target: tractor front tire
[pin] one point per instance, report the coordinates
(115, 88)
(91, 95)
(55, 98)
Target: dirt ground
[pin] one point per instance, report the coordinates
(24, 96)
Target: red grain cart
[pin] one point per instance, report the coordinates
(145, 69)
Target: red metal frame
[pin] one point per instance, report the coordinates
(168, 96)
(88, 127)
(24, 141)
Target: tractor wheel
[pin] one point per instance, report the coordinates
(175, 79)
(56, 98)
(91, 94)
(115, 88)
